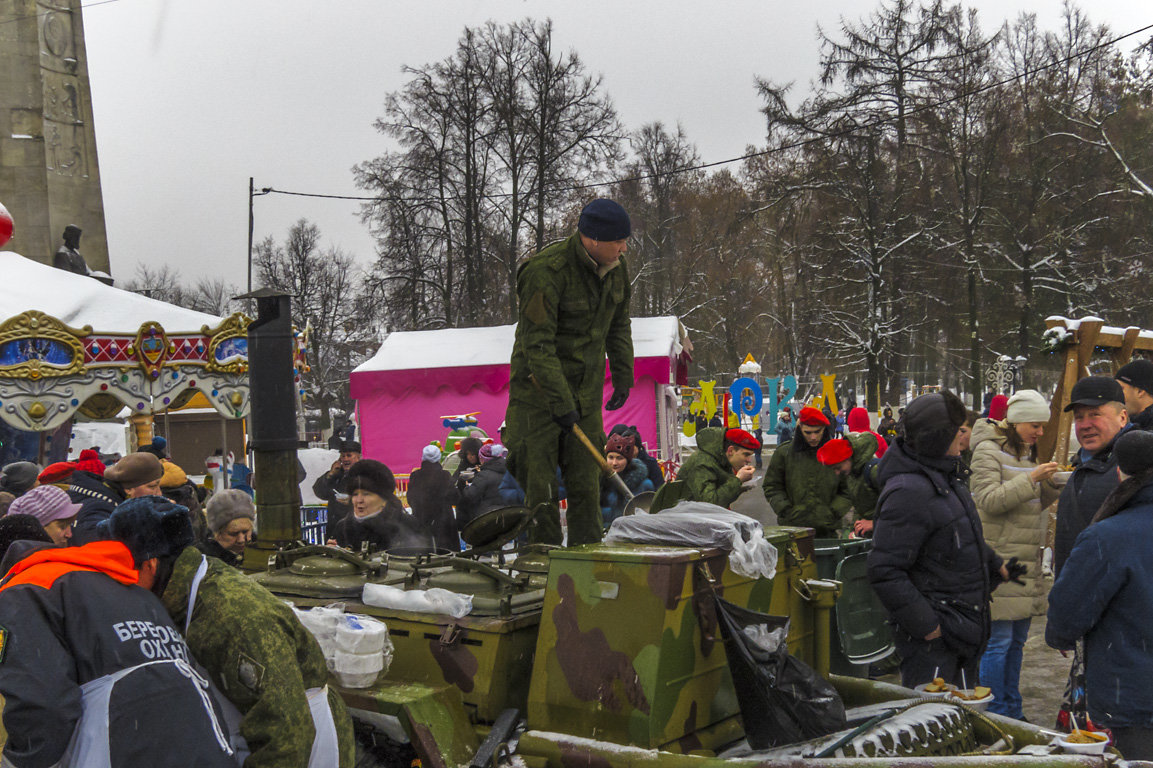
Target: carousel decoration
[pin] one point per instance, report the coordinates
(49, 370)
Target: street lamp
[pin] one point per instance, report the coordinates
(251, 194)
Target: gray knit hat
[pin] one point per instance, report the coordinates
(1027, 406)
(18, 477)
(226, 506)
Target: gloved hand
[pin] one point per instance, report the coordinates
(617, 400)
(1016, 571)
(566, 420)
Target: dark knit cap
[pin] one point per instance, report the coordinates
(1134, 451)
(931, 422)
(150, 526)
(372, 476)
(18, 477)
(604, 219)
(158, 447)
(1138, 373)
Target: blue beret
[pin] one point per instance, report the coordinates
(603, 219)
(150, 526)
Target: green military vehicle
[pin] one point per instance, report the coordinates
(612, 655)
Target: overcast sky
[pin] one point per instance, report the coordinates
(192, 97)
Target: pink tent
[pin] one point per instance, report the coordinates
(419, 377)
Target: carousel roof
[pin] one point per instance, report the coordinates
(78, 300)
(69, 343)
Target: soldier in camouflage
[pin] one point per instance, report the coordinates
(574, 308)
(721, 466)
(251, 644)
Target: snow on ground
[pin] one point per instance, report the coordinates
(316, 462)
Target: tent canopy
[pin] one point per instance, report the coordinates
(71, 343)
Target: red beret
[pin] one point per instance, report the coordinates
(54, 473)
(742, 439)
(834, 452)
(813, 417)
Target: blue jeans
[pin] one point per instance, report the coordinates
(1001, 666)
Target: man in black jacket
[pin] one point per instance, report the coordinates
(1099, 417)
(93, 665)
(1136, 380)
(432, 494)
(930, 565)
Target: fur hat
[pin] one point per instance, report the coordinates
(18, 477)
(604, 219)
(470, 445)
(57, 472)
(931, 422)
(1027, 406)
(150, 526)
(834, 452)
(372, 476)
(135, 469)
(350, 446)
(812, 417)
(226, 506)
(430, 453)
(623, 444)
(89, 461)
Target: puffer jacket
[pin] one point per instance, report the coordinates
(1012, 510)
(1105, 595)
(707, 474)
(804, 492)
(930, 565)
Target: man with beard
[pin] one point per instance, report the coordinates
(801, 490)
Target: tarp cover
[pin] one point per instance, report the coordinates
(699, 524)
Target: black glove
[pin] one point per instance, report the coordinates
(1016, 571)
(617, 400)
(567, 420)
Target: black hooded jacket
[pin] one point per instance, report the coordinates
(97, 498)
(930, 565)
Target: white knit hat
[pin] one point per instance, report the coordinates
(430, 453)
(1026, 406)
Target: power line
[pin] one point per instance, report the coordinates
(879, 121)
(14, 19)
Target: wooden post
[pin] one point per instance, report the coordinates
(142, 429)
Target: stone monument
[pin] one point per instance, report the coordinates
(49, 177)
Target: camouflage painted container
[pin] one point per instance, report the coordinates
(487, 658)
(629, 650)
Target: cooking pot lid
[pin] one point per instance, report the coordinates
(495, 528)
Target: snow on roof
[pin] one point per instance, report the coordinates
(1074, 324)
(78, 300)
(462, 347)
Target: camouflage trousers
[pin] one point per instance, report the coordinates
(537, 446)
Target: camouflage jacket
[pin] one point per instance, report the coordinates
(804, 492)
(707, 473)
(570, 317)
(260, 656)
(863, 486)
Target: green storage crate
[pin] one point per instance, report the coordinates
(862, 633)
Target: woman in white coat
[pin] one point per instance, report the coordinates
(1011, 491)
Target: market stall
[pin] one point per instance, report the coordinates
(418, 377)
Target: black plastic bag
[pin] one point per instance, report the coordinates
(782, 699)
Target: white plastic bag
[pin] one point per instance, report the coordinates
(699, 524)
(433, 600)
